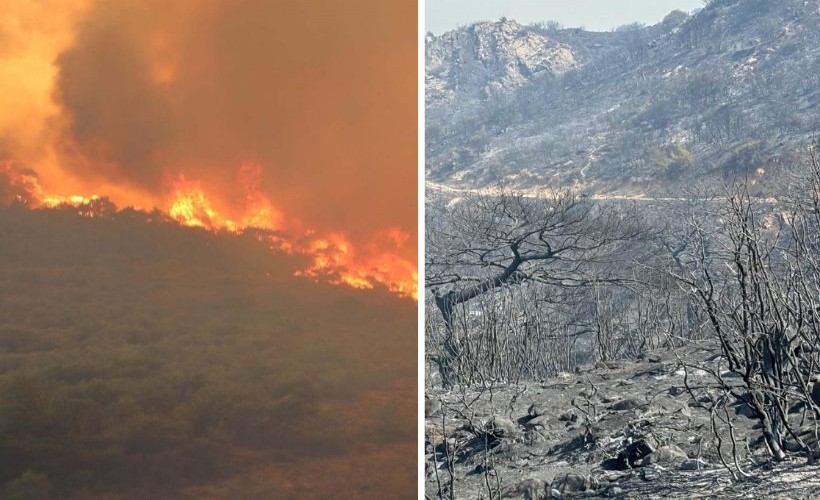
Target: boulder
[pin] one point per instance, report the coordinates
(568, 416)
(535, 410)
(499, 428)
(541, 421)
(529, 489)
(636, 451)
(627, 404)
(431, 407)
(574, 483)
(650, 357)
(665, 455)
(676, 390)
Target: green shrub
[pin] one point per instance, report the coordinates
(29, 486)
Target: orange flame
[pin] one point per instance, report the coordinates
(259, 211)
(191, 207)
(22, 185)
(378, 263)
(335, 257)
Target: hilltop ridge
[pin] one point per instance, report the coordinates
(731, 90)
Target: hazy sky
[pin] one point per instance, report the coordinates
(600, 15)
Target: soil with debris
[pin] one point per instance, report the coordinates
(613, 430)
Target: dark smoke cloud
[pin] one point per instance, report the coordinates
(321, 94)
(119, 119)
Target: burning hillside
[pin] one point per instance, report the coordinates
(335, 258)
(192, 196)
(209, 115)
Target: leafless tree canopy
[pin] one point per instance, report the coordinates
(488, 240)
(485, 243)
(527, 286)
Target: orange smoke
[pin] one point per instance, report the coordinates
(19, 185)
(156, 104)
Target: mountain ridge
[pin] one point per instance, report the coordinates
(731, 90)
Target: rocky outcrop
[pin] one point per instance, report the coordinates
(490, 58)
(730, 91)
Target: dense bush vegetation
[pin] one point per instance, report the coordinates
(138, 357)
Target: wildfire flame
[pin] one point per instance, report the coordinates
(334, 257)
(191, 207)
(379, 263)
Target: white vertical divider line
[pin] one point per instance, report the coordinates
(420, 239)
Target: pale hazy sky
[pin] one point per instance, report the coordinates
(597, 15)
